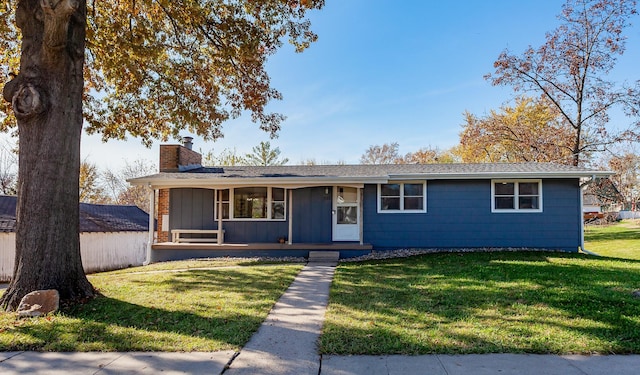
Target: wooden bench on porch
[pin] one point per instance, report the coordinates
(213, 235)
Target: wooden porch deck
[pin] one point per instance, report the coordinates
(334, 246)
(167, 251)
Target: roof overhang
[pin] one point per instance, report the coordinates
(501, 175)
(201, 180)
(224, 183)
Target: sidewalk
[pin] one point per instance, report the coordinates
(286, 344)
(13, 363)
(98, 363)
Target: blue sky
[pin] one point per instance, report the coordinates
(385, 71)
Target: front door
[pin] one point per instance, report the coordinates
(346, 213)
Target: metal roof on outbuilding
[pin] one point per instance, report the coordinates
(93, 217)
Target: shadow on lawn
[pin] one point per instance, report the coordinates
(495, 302)
(107, 324)
(203, 309)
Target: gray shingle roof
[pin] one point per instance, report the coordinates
(381, 170)
(93, 217)
(360, 172)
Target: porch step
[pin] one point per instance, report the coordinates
(324, 256)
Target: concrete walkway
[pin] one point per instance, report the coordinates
(286, 344)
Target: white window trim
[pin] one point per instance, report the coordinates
(516, 191)
(402, 210)
(269, 205)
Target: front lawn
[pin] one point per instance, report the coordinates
(195, 310)
(505, 302)
(619, 240)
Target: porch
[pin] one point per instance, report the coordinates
(165, 251)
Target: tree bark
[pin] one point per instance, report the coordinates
(46, 97)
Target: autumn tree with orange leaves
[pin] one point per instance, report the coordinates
(529, 131)
(148, 69)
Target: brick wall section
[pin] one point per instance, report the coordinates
(163, 209)
(171, 158)
(188, 157)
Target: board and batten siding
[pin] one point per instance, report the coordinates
(192, 208)
(459, 215)
(312, 215)
(100, 251)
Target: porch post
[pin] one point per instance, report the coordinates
(290, 216)
(152, 214)
(361, 209)
(220, 235)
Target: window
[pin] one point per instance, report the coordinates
(347, 205)
(509, 196)
(402, 197)
(277, 203)
(247, 203)
(250, 203)
(223, 199)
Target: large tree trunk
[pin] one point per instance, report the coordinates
(47, 100)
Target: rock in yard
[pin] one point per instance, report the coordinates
(38, 303)
(636, 293)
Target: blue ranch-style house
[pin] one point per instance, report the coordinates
(354, 209)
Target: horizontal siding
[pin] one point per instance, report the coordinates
(99, 251)
(459, 215)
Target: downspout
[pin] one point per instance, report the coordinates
(582, 189)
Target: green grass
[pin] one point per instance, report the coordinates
(619, 240)
(195, 310)
(485, 303)
(180, 265)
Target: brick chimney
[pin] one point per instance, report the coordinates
(172, 157)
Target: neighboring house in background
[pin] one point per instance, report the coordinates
(240, 211)
(111, 237)
(604, 194)
(591, 207)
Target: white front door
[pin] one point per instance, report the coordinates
(346, 213)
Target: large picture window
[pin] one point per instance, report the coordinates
(402, 197)
(252, 203)
(510, 196)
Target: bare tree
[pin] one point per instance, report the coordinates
(627, 177)
(385, 154)
(430, 155)
(570, 71)
(121, 191)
